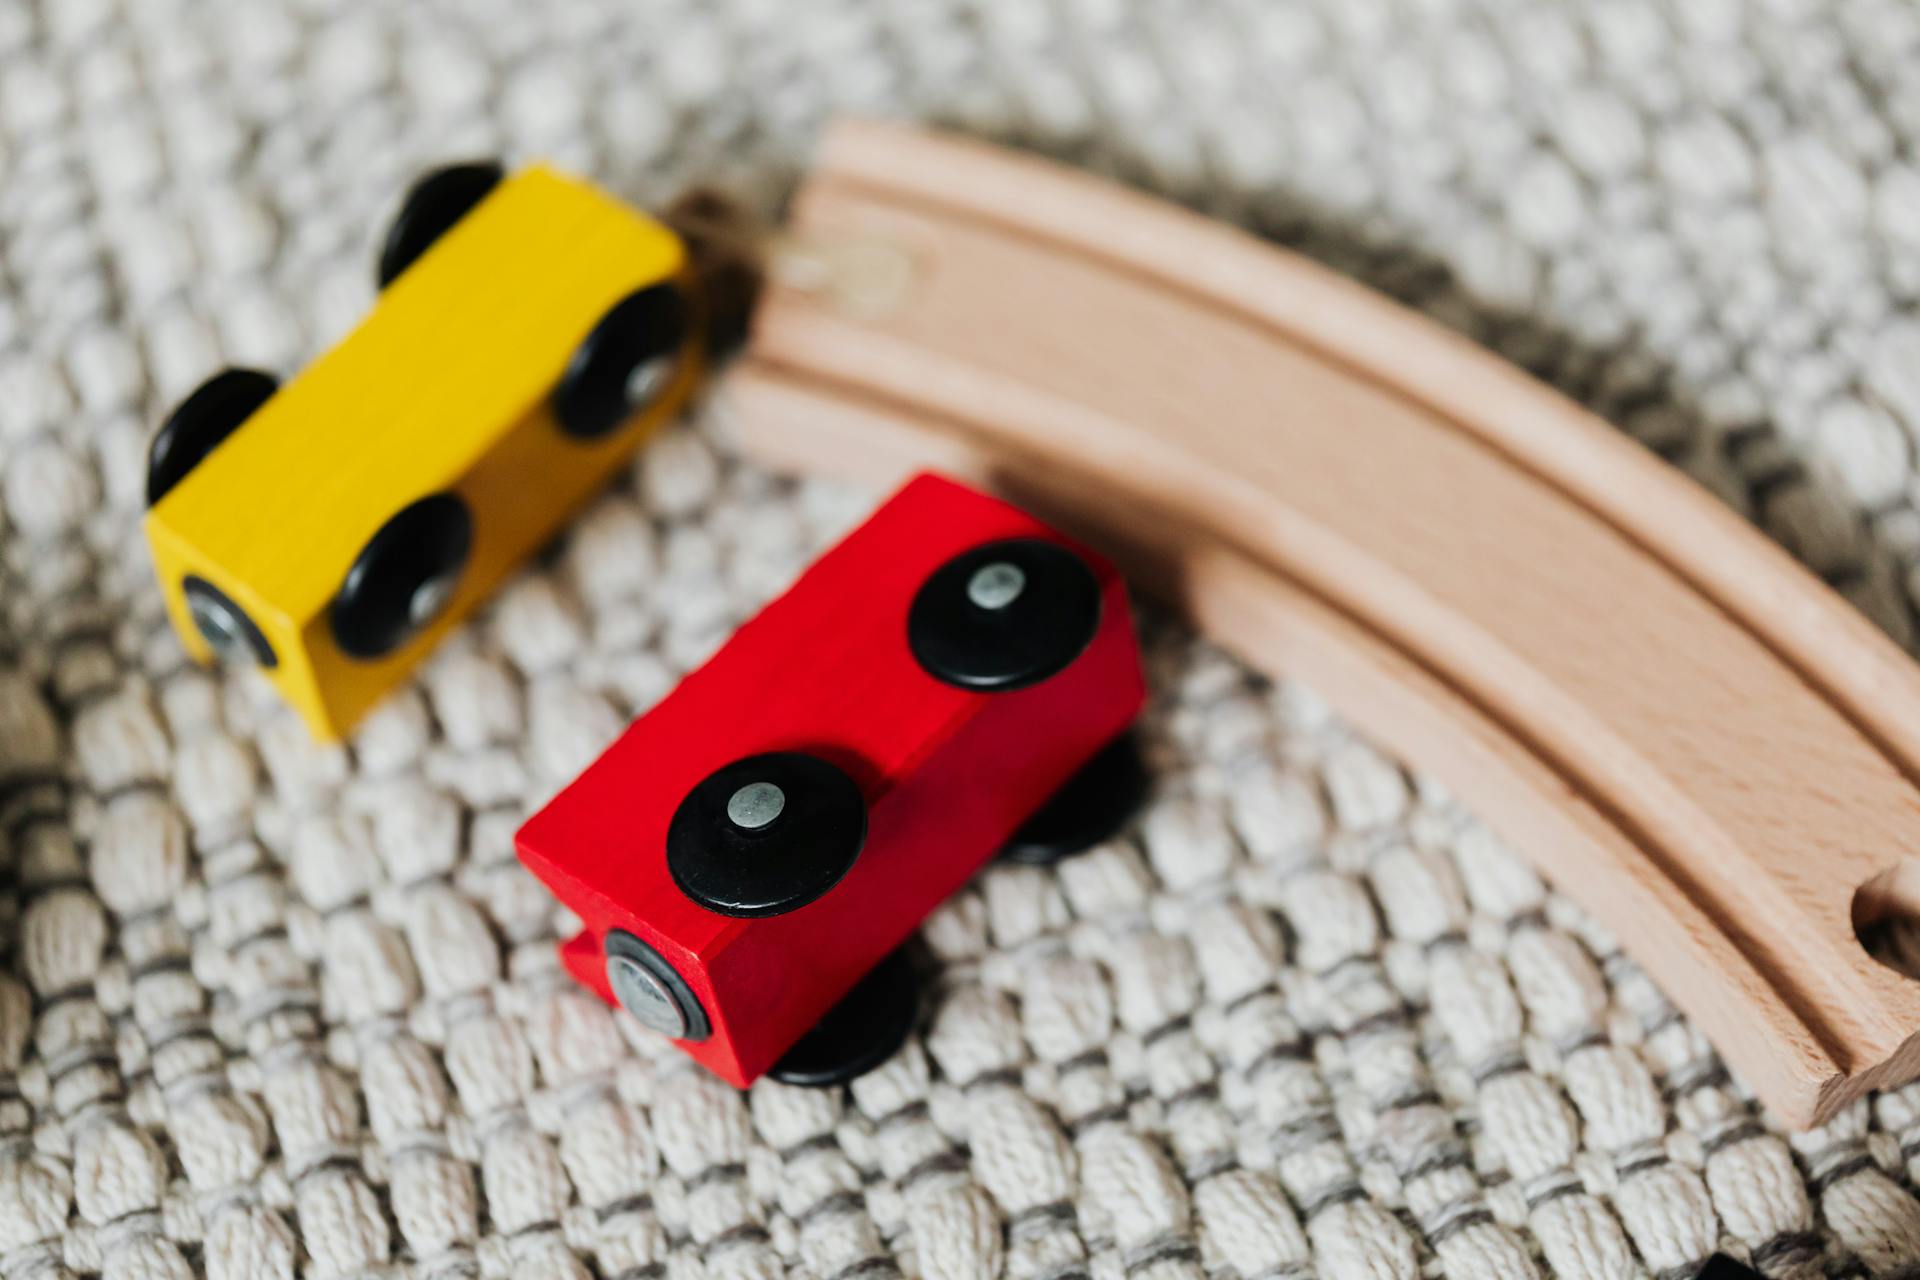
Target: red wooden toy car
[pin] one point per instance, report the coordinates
(748, 854)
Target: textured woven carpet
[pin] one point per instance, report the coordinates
(273, 1010)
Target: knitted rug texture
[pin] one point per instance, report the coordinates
(268, 1009)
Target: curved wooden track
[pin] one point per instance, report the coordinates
(1685, 730)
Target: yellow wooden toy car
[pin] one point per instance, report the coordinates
(530, 332)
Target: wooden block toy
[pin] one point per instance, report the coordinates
(1694, 737)
(952, 679)
(529, 334)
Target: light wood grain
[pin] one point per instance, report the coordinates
(1687, 732)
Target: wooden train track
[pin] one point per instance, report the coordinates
(1687, 732)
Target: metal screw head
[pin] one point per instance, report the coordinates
(645, 997)
(430, 597)
(755, 805)
(648, 379)
(223, 632)
(996, 585)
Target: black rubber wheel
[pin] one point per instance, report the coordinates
(1091, 806)
(435, 203)
(766, 835)
(858, 1034)
(1004, 615)
(403, 578)
(1722, 1267)
(224, 625)
(650, 989)
(212, 413)
(626, 363)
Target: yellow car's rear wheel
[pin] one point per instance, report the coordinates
(212, 413)
(628, 361)
(437, 201)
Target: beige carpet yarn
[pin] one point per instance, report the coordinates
(270, 1010)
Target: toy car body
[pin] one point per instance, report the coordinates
(753, 846)
(532, 332)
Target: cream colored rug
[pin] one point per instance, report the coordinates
(272, 1010)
